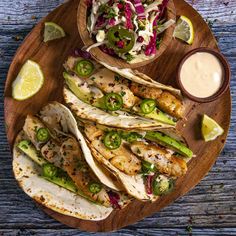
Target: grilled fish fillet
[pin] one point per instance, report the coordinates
(50, 151)
(32, 124)
(109, 82)
(122, 158)
(164, 161)
(165, 100)
(170, 104)
(79, 171)
(67, 155)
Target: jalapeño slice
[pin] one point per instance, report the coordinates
(49, 170)
(42, 135)
(112, 140)
(113, 101)
(95, 187)
(162, 187)
(147, 105)
(120, 39)
(84, 68)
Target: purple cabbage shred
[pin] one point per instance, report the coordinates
(78, 52)
(114, 199)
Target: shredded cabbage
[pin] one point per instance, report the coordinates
(143, 19)
(139, 9)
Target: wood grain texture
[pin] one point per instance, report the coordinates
(99, 55)
(211, 203)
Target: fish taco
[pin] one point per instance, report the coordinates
(50, 165)
(147, 163)
(130, 96)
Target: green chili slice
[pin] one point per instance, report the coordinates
(42, 135)
(95, 187)
(84, 68)
(130, 136)
(147, 105)
(49, 170)
(148, 167)
(113, 101)
(120, 39)
(112, 140)
(162, 187)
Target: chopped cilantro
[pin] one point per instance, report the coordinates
(122, 93)
(158, 43)
(110, 13)
(189, 228)
(129, 57)
(117, 77)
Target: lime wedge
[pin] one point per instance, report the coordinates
(184, 30)
(52, 31)
(210, 129)
(28, 82)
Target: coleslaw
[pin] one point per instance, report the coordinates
(128, 29)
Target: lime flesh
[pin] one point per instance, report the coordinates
(210, 129)
(184, 30)
(53, 31)
(28, 82)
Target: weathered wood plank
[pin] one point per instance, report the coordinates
(211, 203)
(133, 232)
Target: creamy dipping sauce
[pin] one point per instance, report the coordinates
(202, 74)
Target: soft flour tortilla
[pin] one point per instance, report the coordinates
(141, 78)
(50, 195)
(134, 185)
(86, 111)
(54, 112)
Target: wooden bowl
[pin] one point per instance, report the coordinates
(226, 78)
(99, 55)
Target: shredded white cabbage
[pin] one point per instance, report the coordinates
(153, 6)
(95, 45)
(165, 26)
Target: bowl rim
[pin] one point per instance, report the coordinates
(99, 55)
(224, 85)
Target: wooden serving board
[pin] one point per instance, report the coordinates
(51, 57)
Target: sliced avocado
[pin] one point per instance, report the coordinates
(28, 148)
(169, 142)
(63, 181)
(81, 93)
(158, 115)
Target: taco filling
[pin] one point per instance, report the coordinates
(123, 90)
(62, 161)
(144, 162)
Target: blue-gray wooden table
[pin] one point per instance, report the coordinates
(209, 209)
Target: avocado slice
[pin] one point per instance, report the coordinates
(169, 142)
(62, 179)
(158, 115)
(28, 148)
(58, 176)
(80, 93)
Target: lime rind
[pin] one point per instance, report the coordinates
(210, 129)
(53, 31)
(184, 30)
(28, 82)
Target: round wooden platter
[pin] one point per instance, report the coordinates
(51, 57)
